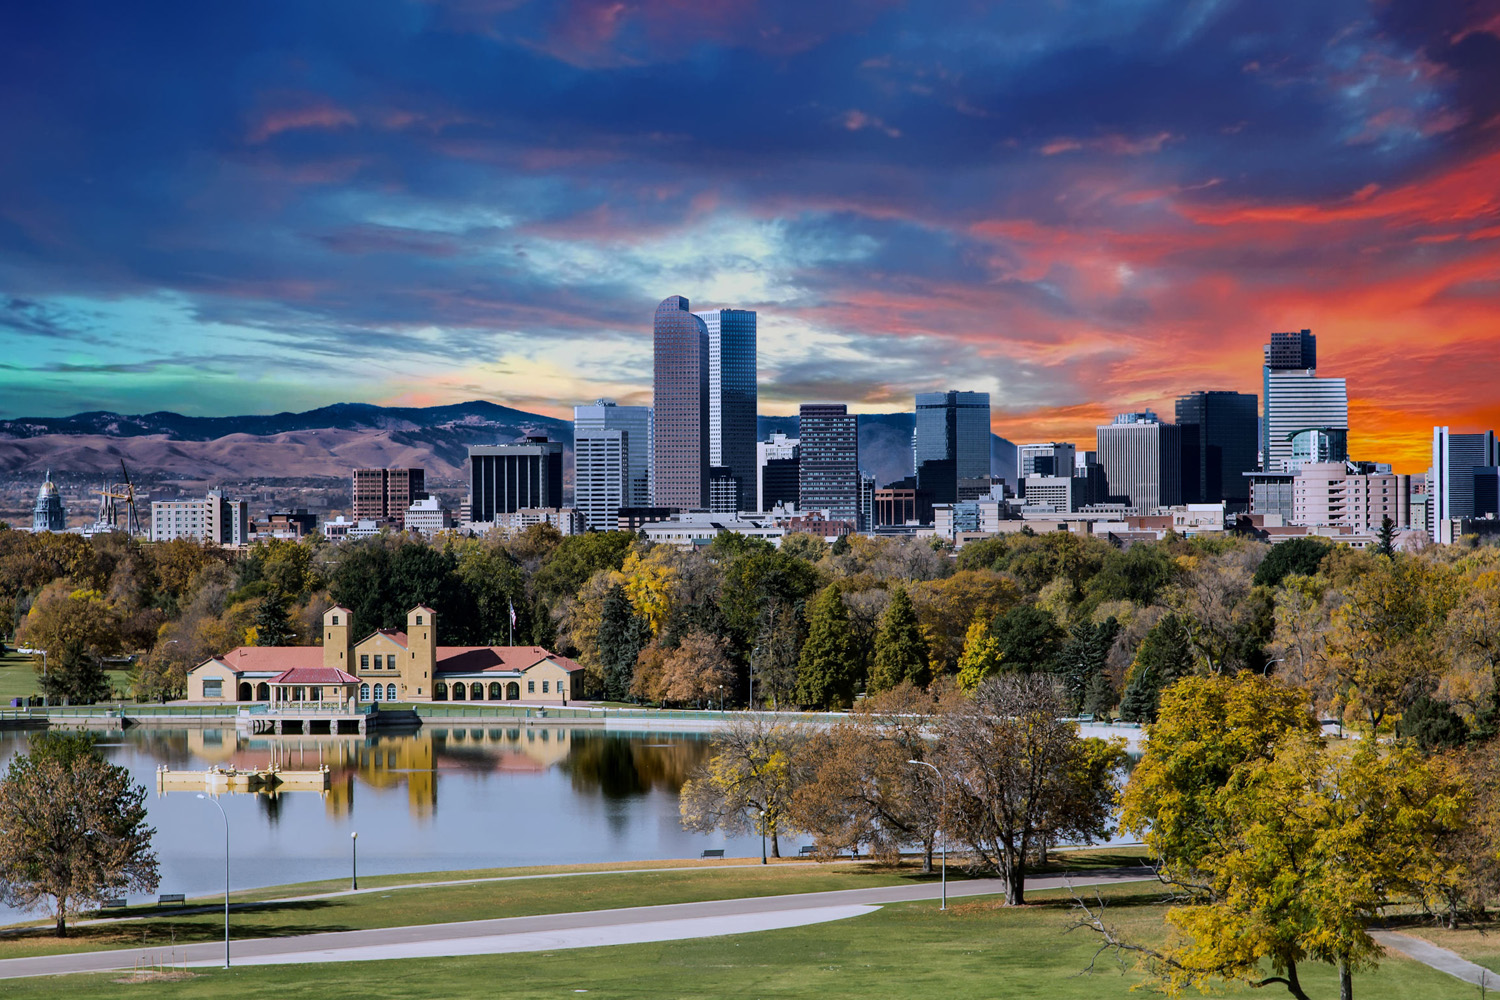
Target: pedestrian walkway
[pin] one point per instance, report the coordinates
(1441, 959)
(667, 922)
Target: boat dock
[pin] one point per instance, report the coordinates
(230, 779)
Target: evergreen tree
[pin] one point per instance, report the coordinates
(272, 626)
(1165, 656)
(1432, 725)
(78, 676)
(1083, 657)
(825, 671)
(1099, 699)
(622, 636)
(840, 545)
(1387, 543)
(900, 649)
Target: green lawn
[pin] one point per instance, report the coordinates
(18, 678)
(911, 951)
(264, 916)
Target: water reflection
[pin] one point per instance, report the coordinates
(442, 798)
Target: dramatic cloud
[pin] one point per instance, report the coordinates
(1079, 208)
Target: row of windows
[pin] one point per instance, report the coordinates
(365, 690)
(390, 660)
(475, 691)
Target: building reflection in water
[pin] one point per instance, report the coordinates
(615, 766)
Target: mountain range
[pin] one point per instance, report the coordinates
(329, 441)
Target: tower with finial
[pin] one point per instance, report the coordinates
(49, 514)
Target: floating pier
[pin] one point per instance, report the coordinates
(260, 780)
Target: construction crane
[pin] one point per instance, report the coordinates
(111, 500)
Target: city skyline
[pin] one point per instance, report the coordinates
(462, 202)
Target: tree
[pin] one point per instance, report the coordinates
(900, 650)
(773, 660)
(622, 636)
(1385, 645)
(649, 583)
(1387, 535)
(826, 669)
(72, 829)
(272, 626)
(76, 627)
(1029, 639)
(860, 789)
(1165, 655)
(1302, 556)
(698, 670)
(1432, 725)
(1083, 657)
(1293, 854)
(981, 656)
(747, 783)
(1019, 777)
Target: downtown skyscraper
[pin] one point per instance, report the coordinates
(828, 466)
(733, 397)
(1218, 446)
(1296, 398)
(680, 406)
(951, 444)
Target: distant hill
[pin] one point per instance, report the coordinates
(331, 440)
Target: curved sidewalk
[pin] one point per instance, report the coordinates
(548, 932)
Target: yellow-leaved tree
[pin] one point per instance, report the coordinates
(746, 786)
(1281, 849)
(650, 582)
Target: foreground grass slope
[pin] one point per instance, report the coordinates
(912, 951)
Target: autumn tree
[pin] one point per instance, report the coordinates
(860, 788)
(1281, 849)
(72, 829)
(76, 628)
(1020, 778)
(697, 670)
(1385, 642)
(773, 659)
(826, 669)
(649, 582)
(747, 783)
(981, 656)
(900, 649)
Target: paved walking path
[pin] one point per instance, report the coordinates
(1440, 959)
(555, 931)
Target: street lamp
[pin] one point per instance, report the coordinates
(354, 860)
(943, 782)
(762, 836)
(226, 874)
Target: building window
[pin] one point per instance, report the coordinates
(335, 619)
(213, 688)
(390, 661)
(390, 692)
(364, 661)
(364, 692)
(531, 687)
(544, 686)
(419, 619)
(379, 692)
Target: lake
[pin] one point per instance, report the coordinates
(441, 799)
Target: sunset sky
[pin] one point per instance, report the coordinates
(1083, 208)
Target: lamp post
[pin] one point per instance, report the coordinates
(354, 860)
(943, 783)
(226, 874)
(762, 836)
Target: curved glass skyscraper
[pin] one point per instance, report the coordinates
(680, 406)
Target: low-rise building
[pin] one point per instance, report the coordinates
(1342, 494)
(341, 528)
(567, 520)
(693, 528)
(386, 665)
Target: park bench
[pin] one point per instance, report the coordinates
(808, 849)
(115, 903)
(171, 897)
(715, 852)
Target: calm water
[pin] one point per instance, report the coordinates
(442, 799)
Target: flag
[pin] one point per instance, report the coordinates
(512, 606)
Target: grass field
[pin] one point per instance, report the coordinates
(18, 678)
(263, 916)
(912, 951)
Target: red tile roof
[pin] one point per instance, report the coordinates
(496, 659)
(390, 633)
(314, 675)
(270, 659)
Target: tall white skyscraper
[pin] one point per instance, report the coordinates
(1296, 399)
(1142, 459)
(733, 396)
(636, 422)
(1450, 484)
